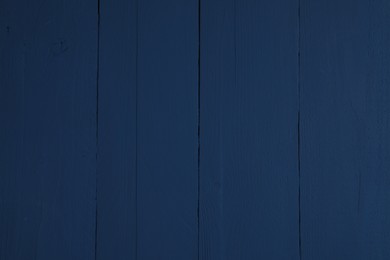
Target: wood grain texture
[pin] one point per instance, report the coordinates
(195, 129)
(345, 104)
(117, 132)
(47, 133)
(167, 127)
(248, 138)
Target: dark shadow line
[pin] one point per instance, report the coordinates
(97, 125)
(199, 77)
(136, 128)
(299, 131)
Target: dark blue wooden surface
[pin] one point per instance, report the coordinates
(345, 133)
(48, 124)
(191, 129)
(116, 214)
(249, 146)
(167, 131)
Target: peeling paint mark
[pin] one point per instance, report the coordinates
(59, 47)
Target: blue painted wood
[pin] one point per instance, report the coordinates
(147, 177)
(167, 129)
(249, 134)
(157, 130)
(117, 131)
(47, 134)
(345, 104)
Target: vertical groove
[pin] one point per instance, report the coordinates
(299, 188)
(136, 130)
(299, 130)
(198, 208)
(97, 124)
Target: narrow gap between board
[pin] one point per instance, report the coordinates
(198, 206)
(136, 128)
(97, 124)
(299, 130)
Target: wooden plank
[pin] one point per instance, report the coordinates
(345, 104)
(249, 134)
(117, 108)
(167, 129)
(47, 114)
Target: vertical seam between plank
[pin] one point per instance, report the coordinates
(136, 128)
(299, 130)
(97, 124)
(198, 206)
